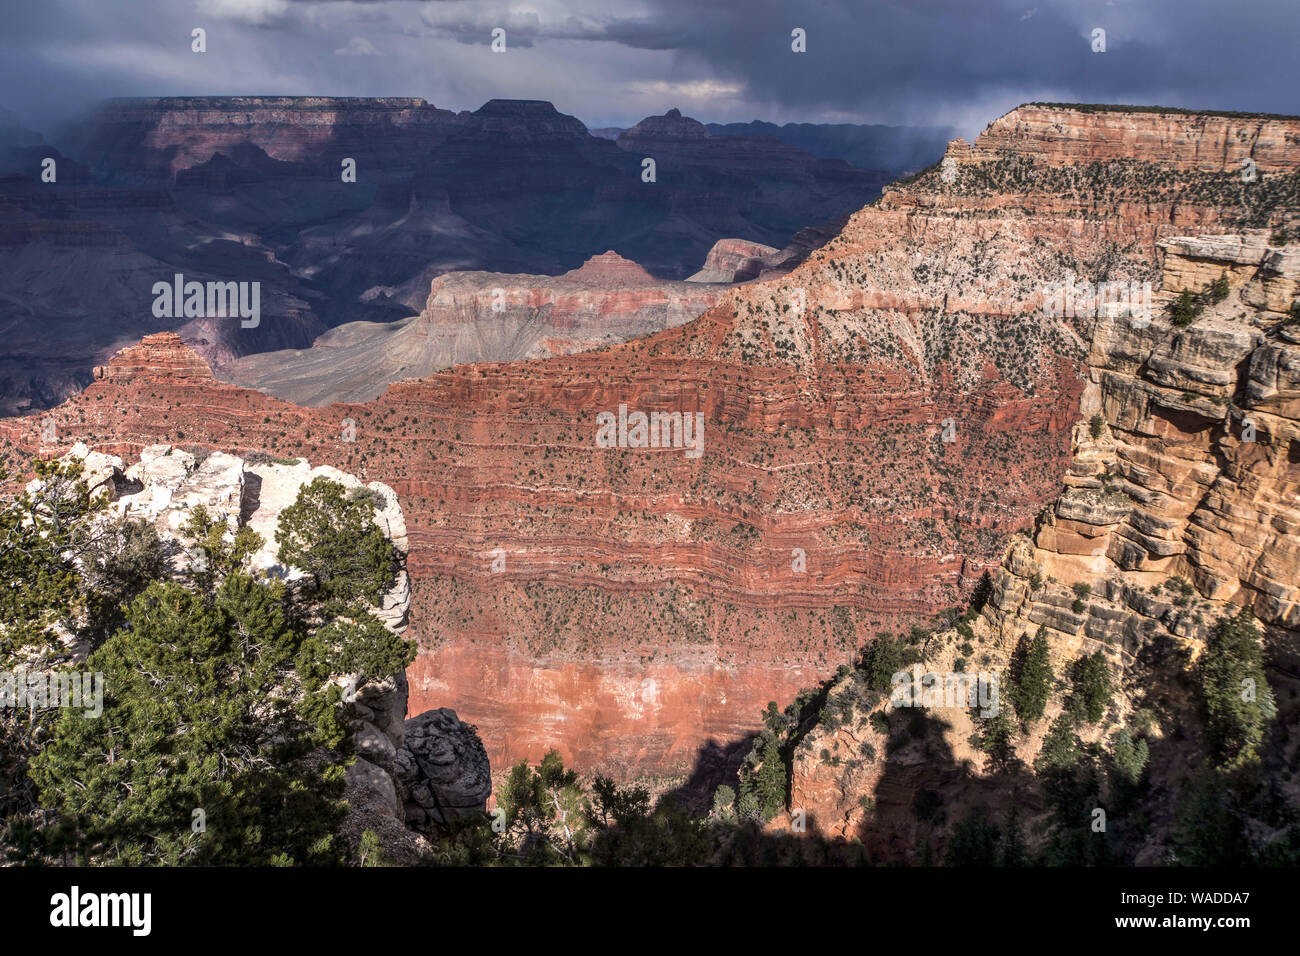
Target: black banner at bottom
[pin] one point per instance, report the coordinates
(301, 906)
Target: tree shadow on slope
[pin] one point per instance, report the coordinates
(716, 765)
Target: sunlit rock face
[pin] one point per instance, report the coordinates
(1180, 505)
(477, 317)
(1196, 472)
(167, 484)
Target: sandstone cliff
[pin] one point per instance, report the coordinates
(733, 260)
(1181, 503)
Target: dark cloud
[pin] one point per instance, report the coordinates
(896, 61)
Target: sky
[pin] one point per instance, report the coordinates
(960, 63)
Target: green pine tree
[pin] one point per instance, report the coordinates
(1060, 750)
(1092, 690)
(1033, 683)
(1235, 695)
(330, 533)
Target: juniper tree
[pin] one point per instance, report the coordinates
(331, 534)
(201, 713)
(545, 820)
(39, 542)
(880, 660)
(41, 598)
(119, 559)
(223, 734)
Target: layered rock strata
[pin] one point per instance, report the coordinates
(344, 210)
(475, 317)
(1181, 504)
(876, 422)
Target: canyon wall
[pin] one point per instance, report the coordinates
(1065, 134)
(877, 422)
(1194, 477)
(144, 137)
(1180, 505)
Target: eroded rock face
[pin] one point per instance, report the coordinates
(1196, 475)
(476, 317)
(156, 355)
(85, 259)
(249, 189)
(1180, 505)
(734, 260)
(877, 422)
(411, 778)
(444, 770)
(492, 317)
(142, 137)
(167, 484)
(1061, 134)
(679, 142)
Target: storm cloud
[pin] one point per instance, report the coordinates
(958, 62)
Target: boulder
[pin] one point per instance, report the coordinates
(445, 769)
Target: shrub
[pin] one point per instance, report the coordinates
(1185, 309)
(221, 700)
(333, 537)
(1219, 288)
(880, 660)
